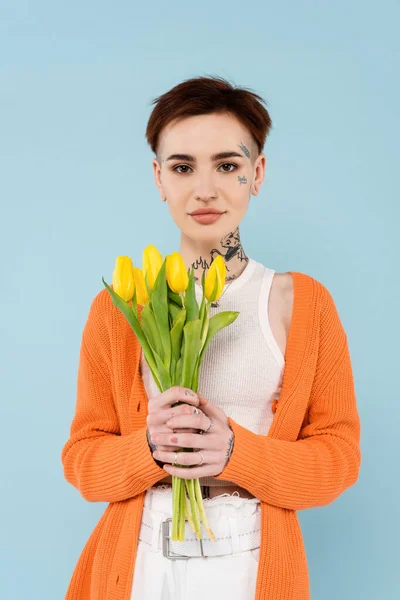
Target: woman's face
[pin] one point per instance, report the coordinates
(200, 181)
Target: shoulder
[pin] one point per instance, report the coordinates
(307, 292)
(282, 291)
(100, 307)
(296, 283)
(102, 316)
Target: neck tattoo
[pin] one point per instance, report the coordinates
(230, 249)
(216, 303)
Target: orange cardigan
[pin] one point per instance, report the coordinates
(309, 457)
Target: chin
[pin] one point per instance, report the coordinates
(206, 233)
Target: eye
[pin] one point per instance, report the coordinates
(180, 167)
(176, 169)
(230, 165)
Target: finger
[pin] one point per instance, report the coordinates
(176, 393)
(199, 421)
(187, 459)
(173, 448)
(182, 409)
(182, 440)
(213, 411)
(158, 418)
(192, 473)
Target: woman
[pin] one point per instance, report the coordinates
(275, 425)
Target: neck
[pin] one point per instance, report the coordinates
(200, 254)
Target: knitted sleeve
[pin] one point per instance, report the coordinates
(102, 464)
(325, 459)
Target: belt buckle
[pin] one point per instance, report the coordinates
(166, 542)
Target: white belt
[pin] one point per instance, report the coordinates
(233, 535)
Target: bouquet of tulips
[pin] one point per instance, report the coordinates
(174, 332)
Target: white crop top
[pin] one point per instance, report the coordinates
(243, 366)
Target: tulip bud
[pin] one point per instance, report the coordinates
(122, 279)
(142, 296)
(176, 273)
(216, 272)
(151, 264)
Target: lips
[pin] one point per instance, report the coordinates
(206, 211)
(206, 218)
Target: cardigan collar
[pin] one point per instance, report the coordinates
(296, 346)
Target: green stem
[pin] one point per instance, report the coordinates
(176, 488)
(187, 511)
(181, 528)
(202, 511)
(193, 506)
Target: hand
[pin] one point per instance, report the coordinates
(215, 445)
(160, 409)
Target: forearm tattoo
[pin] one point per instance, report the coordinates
(152, 446)
(229, 451)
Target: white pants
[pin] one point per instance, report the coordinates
(232, 576)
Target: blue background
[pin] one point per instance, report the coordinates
(77, 189)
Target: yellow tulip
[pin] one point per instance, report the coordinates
(142, 296)
(176, 273)
(152, 263)
(122, 279)
(217, 271)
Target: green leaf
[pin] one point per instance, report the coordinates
(191, 332)
(178, 371)
(195, 382)
(154, 372)
(176, 333)
(217, 322)
(163, 373)
(175, 297)
(172, 369)
(134, 323)
(149, 326)
(174, 309)
(191, 305)
(160, 309)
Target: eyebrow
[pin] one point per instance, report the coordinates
(214, 157)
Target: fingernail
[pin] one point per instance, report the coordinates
(191, 393)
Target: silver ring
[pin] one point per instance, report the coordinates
(202, 459)
(196, 410)
(175, 458)
(209, 427)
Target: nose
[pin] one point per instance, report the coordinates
(205, 188)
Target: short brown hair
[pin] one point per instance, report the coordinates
(205, 95)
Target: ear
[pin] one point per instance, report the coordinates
(157, 178)
(259, 174)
